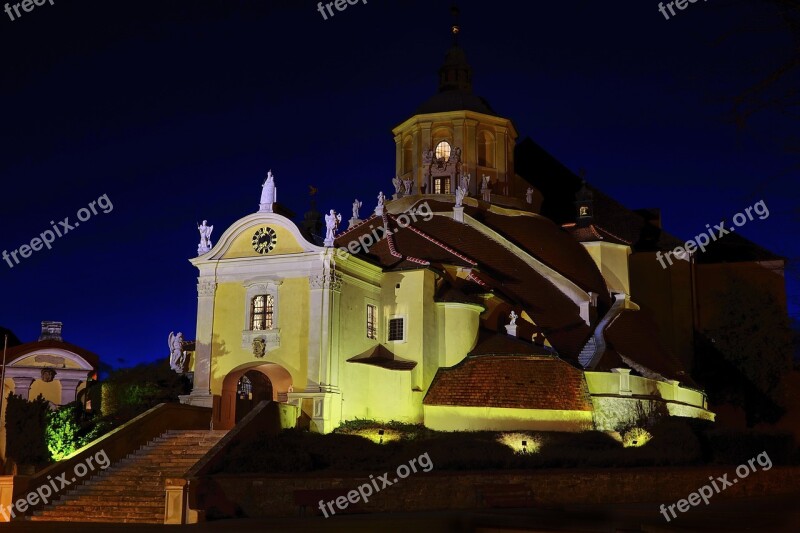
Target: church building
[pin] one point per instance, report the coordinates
(465, 299)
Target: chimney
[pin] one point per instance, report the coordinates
(51, 331)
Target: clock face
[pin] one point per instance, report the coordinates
(264, 240)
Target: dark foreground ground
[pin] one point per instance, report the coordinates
(768, 515)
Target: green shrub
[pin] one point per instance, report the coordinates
(25, 430)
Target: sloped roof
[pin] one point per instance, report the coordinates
(734, 248)
(380, 356)
(443, 241)
(29, 347)
(511, 381)
(633, 337)
(593, 233)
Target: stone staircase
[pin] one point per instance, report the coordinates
(132, 489)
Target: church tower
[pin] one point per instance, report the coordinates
(456, 132)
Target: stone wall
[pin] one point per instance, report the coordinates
(273, 495)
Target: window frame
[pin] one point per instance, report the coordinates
(371, 323)
(389, 330)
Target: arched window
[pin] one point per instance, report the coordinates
(244, 389)
(261, 312)
(486, 150)
(408, 155)
(443, 150)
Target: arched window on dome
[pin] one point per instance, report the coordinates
(408, 155)
(486, 150)
(443, 150)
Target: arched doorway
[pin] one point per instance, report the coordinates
(244, 387)
(253, 387)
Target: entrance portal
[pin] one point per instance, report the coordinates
(253, 387)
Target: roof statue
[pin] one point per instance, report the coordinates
(379, 208)
(205, 238)
(460, 194)
(332, 221)
(269, 194)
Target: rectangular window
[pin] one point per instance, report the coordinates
(396, 332)
(441, 186)
(372, 320)
(261, 312)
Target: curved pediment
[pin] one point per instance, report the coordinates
(278, 235)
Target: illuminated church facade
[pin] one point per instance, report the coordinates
(479, 295)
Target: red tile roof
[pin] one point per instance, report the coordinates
(23, 349)
(513, 381)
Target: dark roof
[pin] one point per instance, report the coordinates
(380, 356)
(443, 241)
(633, 335)
(455, 100)
(499, 344)
(734, 248)
(513, 381)
(593, 233)
(13, 340)
(23, 349)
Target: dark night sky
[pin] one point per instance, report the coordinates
(177, 109)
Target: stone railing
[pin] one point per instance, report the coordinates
(116, 445)
(189, 496)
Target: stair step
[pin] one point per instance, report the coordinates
(132, 489)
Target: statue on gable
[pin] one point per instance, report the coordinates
(205, 238)
(269, 194)
(379, 208)
(529, 195)
(332, 221)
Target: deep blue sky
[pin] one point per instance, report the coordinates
(176, 110)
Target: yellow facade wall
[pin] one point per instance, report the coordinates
(229, 317)
(612, 260)
(457, 418)
(242, 245)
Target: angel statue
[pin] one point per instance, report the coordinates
(460, 194)
(177, 357)
(398, 185)
(529, 195)
(205, 238)
(427, 157)
(332, 221)
(269, 193)
(356, 207)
